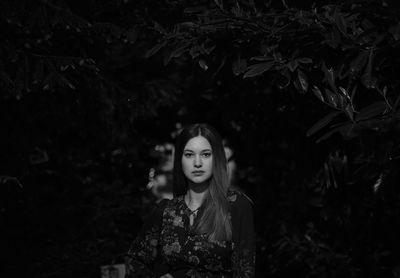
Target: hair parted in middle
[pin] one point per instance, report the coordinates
(215, 219)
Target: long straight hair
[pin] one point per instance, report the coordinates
(215, 219)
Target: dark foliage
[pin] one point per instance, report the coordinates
(307, 94)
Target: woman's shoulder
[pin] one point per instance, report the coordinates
(238, 198)
(160, 206)
(175, 202)
(163, 203)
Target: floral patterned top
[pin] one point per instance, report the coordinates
(166, 244)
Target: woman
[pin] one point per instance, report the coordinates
(206, 230)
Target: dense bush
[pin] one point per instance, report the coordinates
(306, 93)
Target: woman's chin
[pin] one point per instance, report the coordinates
(199, 180)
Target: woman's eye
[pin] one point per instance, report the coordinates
(188, 154)
(206, 154)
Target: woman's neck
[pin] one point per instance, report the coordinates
(195, 195)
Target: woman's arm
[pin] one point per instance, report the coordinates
(243, 255)
(143, 251)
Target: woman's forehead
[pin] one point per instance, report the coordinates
(198, 143)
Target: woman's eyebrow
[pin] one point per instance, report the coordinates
(189, 150)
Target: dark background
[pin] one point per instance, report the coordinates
(307, 94)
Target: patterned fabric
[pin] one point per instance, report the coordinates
(167, 244)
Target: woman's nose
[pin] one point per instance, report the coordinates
(197, 161)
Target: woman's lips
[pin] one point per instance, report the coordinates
(198, 172)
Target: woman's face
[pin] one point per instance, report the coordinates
(197, 160)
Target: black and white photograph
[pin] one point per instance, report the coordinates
(200, 139)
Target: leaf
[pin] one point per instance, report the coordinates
(348, 131)
(131, 35)
(66, 81)
(8, 179)
(322, 122)
(358, 63)
(176, 53)
(195, 10)
(155, 49)
(349, 110)
(333, 38)
(258, 69)
(221, 65)
(283, 79)
(188, 24)
(367, 79)
(239, 66)
(179, 51)
(208, 50)
(328, 134)
(340, 22)
(203, 64)
(167, 59)
(277, 56)
(344, 92)
(19, 83)
(39, 157)
(5, 81)
(292, 65)
(195, 51)
(329, 76)
(302, 77)
(342, 102)
(220, 4)
(316, 202)
(396, 103)
(375, 109)
(384, 92)
(366, 171)
(49, 81)
(318, 93)
(296, 84)
(304, 60)
(261, 58)
(395, 30)
(331, 98)
(378, 183)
